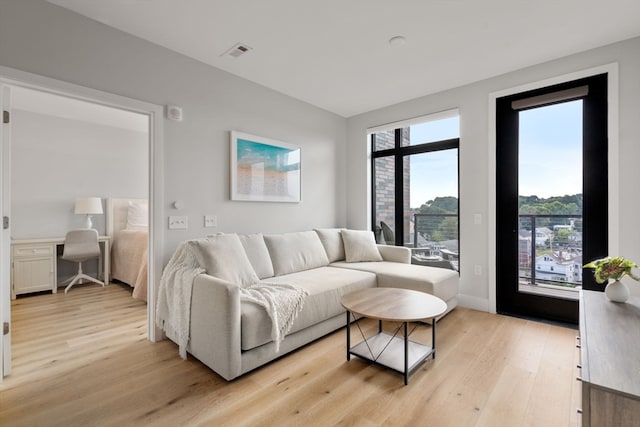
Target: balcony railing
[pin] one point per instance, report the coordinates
(550, 253)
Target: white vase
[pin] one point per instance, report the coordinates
(617, 291)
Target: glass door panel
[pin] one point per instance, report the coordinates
(385, 184)
(550, 200)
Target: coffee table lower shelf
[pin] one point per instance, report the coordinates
(389, 351)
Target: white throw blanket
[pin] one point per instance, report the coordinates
(173, 310)
(282, 302)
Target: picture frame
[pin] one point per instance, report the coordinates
(264, 170)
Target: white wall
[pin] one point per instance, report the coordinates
(473, 102)
(41, 38)
(54, 160)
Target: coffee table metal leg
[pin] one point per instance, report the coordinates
(348, 336)
(433, 336)
(406, 354)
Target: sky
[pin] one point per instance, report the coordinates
(550, 159)
(434, 174)
(550, 156)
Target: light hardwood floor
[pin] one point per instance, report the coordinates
(82, 359)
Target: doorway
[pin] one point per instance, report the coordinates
(551, 193)
(10, 78)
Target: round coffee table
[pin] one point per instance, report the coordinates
(396, 305)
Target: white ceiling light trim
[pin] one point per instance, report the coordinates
(397, 41)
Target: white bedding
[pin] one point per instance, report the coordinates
(127, 224)
(129, 260)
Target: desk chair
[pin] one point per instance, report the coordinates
(79, 246)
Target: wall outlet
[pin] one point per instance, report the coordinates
(477, 218)
(477, 270)
(178, 222)
(210, 221)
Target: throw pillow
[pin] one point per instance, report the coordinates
(292, 252)
(332, 242)
(223, 256)
(258, 254)
(360, 246)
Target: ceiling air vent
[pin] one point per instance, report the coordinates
(237, 50)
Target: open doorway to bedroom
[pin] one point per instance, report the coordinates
(63, 149)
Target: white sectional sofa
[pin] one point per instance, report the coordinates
(232, 336)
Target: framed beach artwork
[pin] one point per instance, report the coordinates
(264, 170)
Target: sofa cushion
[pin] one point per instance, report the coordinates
(291, 252)
(325, 285)
(332, 242)
(223, 256)
(360, 246)
(440, 282)
(258, 254)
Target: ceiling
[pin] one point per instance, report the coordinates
(335, 54)
(74, 109)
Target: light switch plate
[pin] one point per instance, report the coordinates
(178, 222)
(210, 221)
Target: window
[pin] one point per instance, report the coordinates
(415, 187)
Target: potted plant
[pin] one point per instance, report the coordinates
(610, 270)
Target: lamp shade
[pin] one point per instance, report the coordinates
(88, 205)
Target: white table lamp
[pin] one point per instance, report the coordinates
(88, 206)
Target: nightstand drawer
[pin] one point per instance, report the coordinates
(32, 250)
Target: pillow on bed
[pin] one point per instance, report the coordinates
(138, 216)
(360, 246)
(223, 256)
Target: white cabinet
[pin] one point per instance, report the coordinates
(33, 268)
(34, 264)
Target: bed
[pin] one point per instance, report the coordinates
(127, 226)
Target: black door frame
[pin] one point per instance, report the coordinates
(595, 195)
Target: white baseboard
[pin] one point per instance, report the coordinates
(475, 303)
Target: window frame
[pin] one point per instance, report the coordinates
(399, 152)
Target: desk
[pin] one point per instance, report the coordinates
(34, 264)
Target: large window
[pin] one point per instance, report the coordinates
(415, 187)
